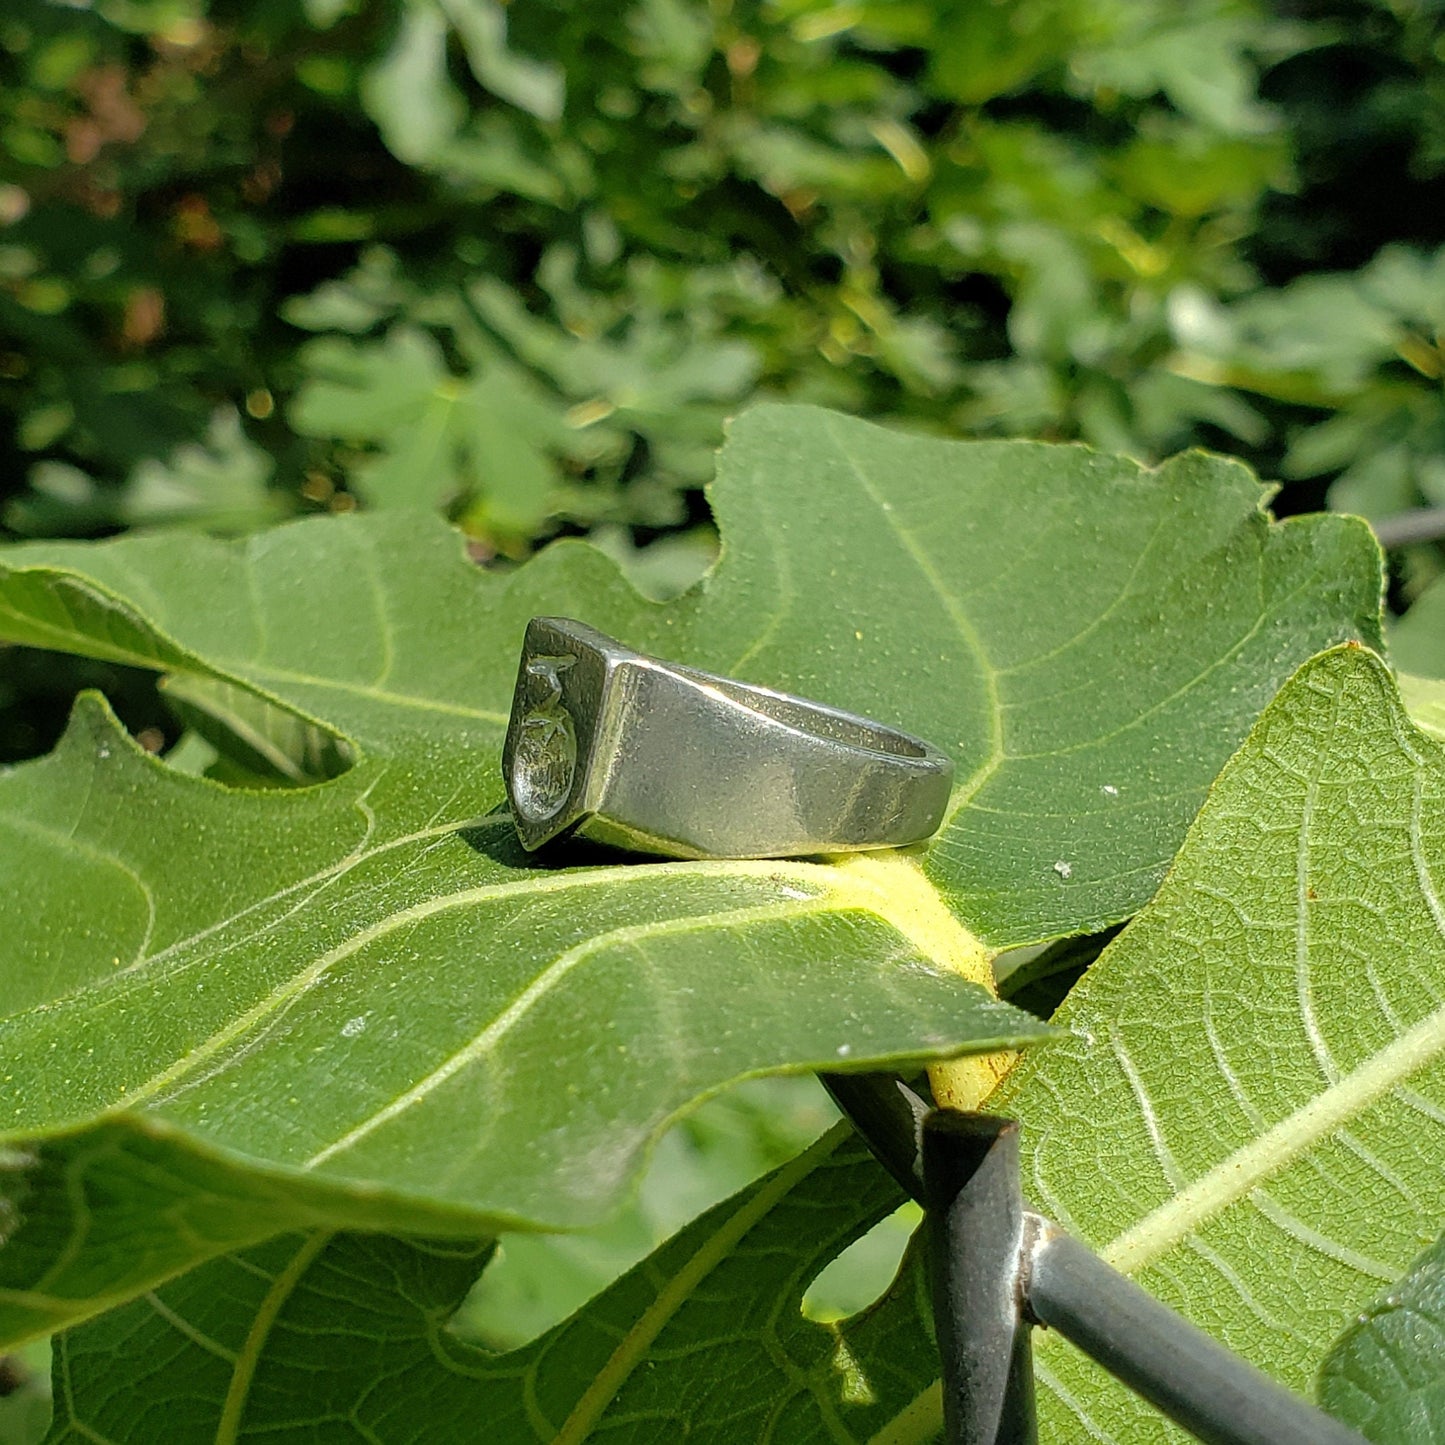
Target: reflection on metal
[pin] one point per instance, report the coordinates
(626, 750)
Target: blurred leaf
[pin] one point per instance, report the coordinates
(967, 218)
(665, 568)
(1188, 173)
(1384, 1375)
(438, 439)
(371, 292)
(408, 92)
(1424, 699)
(982, 51)
(221, 485)
(25, 1394)
(536, 87)
(1417, 640)
(1200, 60)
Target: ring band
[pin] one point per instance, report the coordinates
(636, 753)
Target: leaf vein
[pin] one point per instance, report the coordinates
(1235, 1176)
(482, 1043)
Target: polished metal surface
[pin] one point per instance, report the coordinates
(637, 753)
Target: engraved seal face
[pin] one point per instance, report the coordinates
(544, 760)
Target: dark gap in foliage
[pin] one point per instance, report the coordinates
(1366, 175)
(1071, 116)
(1294, 499)
(982, 295)
(232, 735)
(38, 690)
(1039, 979)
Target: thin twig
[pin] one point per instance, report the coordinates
(1423, 524)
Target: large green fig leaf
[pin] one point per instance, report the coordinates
(1249, 1112)
(361, 997)
(1386, 1373)
(261, 1346)
(1247, 1115)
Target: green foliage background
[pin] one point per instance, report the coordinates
(519, 262)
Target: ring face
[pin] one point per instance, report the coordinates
(544, 761)
(551, 735)
(659, 758)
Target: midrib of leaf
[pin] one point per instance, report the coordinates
(85, 643)
(70, 639)
(1234, 1177)
(911, 904)
(889, 885)
(482, 1043)
(355, 859)
(679, 1288)
(965, 790)
(249, 1356)
(372, 692)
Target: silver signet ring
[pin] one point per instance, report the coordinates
(635, 753)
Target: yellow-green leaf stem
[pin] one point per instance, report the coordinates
(901, 892)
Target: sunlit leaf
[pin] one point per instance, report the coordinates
(1246, 1112)
(365, 994)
